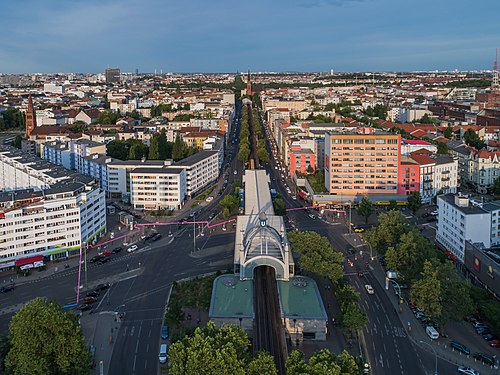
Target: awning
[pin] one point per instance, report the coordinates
(30, 260)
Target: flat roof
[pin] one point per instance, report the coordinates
(163, 170)
(196, 158)
(257, 193)
(231, 297)
(300, 298)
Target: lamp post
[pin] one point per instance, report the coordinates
(435, 355)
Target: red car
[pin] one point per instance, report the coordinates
(494, 343)
(89, 300)
(107, 254)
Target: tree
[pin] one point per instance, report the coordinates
(178, 149)
(426, 292)
(154, 149)
(496, 186)
(310, 169)
(414, 202)
(17, 141)
(137, 149)
(12, 118)
(117, 149)
(442, 148)
(229, 203)
(108, 117)
(58, 347)
(244, 153)
(391, 225)
(279, 207)
(471, 138)
(448, 132)
(393, 205)
(347, 295)
(354, 318)
(263, 155)
(4, 350)
(214, 351)
(455, 293)
(365, 208)
(162, 145)
(174, 315)
(425, 119)
(322, 362)
(317, 255)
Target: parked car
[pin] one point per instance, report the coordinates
(482, 331)
(486, 359)
(7, 288)
(494, 343)
(490, 337)
(102, 287)
(156, 237)
(209, 199)
(163, 353)
(164, 332)
(478, 324)
(467, 370)
(104, 260)
(93, 293)
(460, 347)
(107, 254)
(95, 259)
(117, 250)
(312, 216)
(132, 248)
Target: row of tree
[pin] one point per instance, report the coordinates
(435, 286)
(244, 152)
(159, 149)
(12, 118)
(366, 207)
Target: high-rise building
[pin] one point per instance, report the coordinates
(112, 75)
(364, 161)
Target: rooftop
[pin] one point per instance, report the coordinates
(231, 297)
(257, 193)
(300, 298)
(196, 158)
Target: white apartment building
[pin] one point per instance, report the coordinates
(483, 168)
(158, 188)
(461, 219)
(201, 169)
(45, 209)
(438, 175)
(411, 145)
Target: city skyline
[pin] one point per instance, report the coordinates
(320, 35)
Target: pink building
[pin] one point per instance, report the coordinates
(300, 160)
(408, 176)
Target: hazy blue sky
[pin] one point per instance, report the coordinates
(231, 35)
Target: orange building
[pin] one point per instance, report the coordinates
(364, 161)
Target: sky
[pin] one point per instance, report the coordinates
(50, 36)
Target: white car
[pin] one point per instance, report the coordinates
(312, 216)
(209, 199)
(369, 289)
(132, 248)
(235, 172)
(467, 370)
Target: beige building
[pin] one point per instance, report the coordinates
(361, 162)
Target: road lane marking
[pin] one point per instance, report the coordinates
(137, 346)
(135, 359)
(145, 364)
(385, 349)
(147, 348)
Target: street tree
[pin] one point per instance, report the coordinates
(448, 132)
(317, 255)
(455, 293)
(365, 208)
(346, 295)
(354, 318)
(244, 153)
(162, 145)
(426, 292)
(393, 205)
(263, 155)
(442, 148)
(229, 203)
(57, 346)
(496, 186)
(117, 149)
(414, 202)
(279, 207)
(391, 225)
(178, 149)
(154, 149)
(322, 362)
(214, 351)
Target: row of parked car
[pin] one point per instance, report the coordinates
(92, 296)
(483, 330)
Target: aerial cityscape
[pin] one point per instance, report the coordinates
(249, 188)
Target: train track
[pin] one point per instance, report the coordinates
(270, 335)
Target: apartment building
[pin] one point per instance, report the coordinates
(461, 220)
(411, 145)
(483, 169)
(158, 188)
(362, 162)
(408, 176)
(44, 209)
(201, 169)
(70, 153)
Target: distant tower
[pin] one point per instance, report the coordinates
(30, 117)
(249, 84)
(494, 83)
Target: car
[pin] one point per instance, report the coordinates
(7, 288)
(460, 347)
(467, 370)
(163, 353)
(85, 307)
(209, 199)
(95, 259)
(89, 300)
(107, 254)
(104, 260)
(117, 249)
(132, 248)
(358, 230)
(369, 289)
(164, 332)
(494, 343)
(156, 237)
(294, 197)
(191, 215)
(434, 213)
(486, 359)
(312, 216)
(211, 216)
(102, 287)
(482, 331)
(489, 337)
(478, 324)
(93, 293)
(235, 172)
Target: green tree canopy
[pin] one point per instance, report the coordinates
(471, 138)
(414, 202)
(163, 149)
(448, 132)
(12, 118)
(496, 186)
(354, 318)
(108, 117)
(55, 346)
(391, 225)
(442, 148)
(316, 254)
(322, 362)
(229, 203)
(393, 205)
(117, 149)
(279, 207)
(178, 149)
(154, 149)
(426, 292)
(214, 351)
(365, 208)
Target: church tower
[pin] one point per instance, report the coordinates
(249, 84)
(30, 117)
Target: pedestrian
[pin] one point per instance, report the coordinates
(127, 268)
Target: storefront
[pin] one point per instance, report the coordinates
(26, 264)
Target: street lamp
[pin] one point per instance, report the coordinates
(435, 355)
